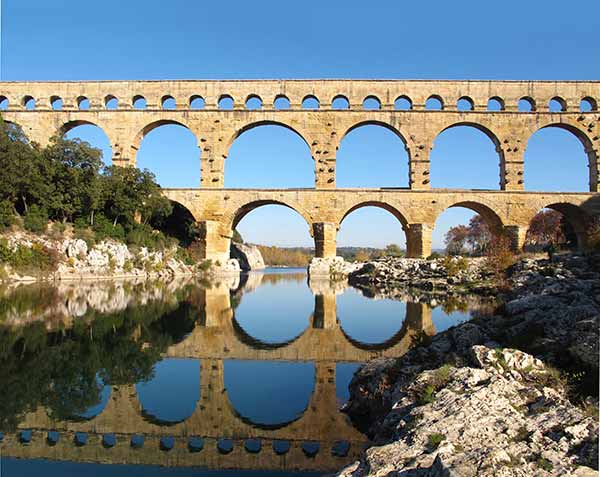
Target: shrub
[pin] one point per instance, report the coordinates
(103, 228)
(7, 215)
(434, 256)
(434, 440)
(455, 265)
(36, 219)
(500, 256)
(29, 259)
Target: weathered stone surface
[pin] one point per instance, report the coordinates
(334, 268)
(248, 256)
(495, 419)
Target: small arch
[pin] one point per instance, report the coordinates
(281, 102)
(371, 103)
(167, 102)
(495, 103)
(83, 103)
(434, 103)
(526, 104)
(197, 102)
(4, 103)
(403, 103)
(225, 102)
(111, 102)
(588, 104)
(139, 102)
(465, 103)
(557, 105)
(252, 446)
(225, 446)
(29, 103)
(340, 102)
(253, 102)
(310, 102)
(56, 103)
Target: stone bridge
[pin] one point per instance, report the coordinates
(44, 109)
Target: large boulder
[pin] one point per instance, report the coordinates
(248, 256)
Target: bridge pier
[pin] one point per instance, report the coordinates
(214, 245)
(325, 239)
(516, 235)
(418, 240)
(325, 314)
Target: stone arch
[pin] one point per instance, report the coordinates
(371, 102)
(142, 133)
(310, 101)
(434, 102)
(108, 154)
(557, 101)
(167, 102)
(374, 203)
(374, 123)
(234, 219)
(485, 130)
(28, 102)
(403, 102)
(342, 102)
(250, 126)
(465, 103)
(225, 102)
(591, 103)
(196, 102)
(111, 102)
(574, 215)
(253, 101)
(491, 217)
(56, 103)
(281, 101)
(588, 146)
(4, 103)
(83, 103)
(526, 104)
(497, 102)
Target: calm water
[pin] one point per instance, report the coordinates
(240, 377)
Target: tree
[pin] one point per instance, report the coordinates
(456, 239)
(479, 235)
(393, 250)
(75, 169)
(546, 227)
(131, 192)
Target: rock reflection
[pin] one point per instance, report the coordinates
(56, 340)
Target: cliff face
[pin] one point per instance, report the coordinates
(248, 256)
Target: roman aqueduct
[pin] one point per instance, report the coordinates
(45, 109)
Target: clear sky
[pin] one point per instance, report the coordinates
(151, 39)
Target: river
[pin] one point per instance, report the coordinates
(242, 376)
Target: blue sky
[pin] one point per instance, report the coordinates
(68, 39)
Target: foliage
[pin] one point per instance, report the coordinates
(26, 259)
(393, 250)
(455, 265)
(500, 256)
(36, 219)
(472, 239)
(434, 440)
(7, 214)
(546, 228)
(278, 256)
(434, 256)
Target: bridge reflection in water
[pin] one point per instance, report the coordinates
(215, 435)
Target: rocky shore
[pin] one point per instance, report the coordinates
(514, 392)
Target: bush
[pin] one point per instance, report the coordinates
(142, 235)
(455, 265)
(36, 219)
(500, 256)
(103, 228)
(26, 259)
(434, 440)
(7, 215)
(434, 256)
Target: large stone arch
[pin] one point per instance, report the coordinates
(485, 129)
(578, 218)
(580, 131)
(234, 218)
(372, 122)
(267, 122)
(374, 203)
(491, 217)
(149, 127)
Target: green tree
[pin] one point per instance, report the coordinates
(393, 250)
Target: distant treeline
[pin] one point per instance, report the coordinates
(301, 256)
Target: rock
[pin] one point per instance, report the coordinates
(75, 248)
(334, 268)
(248, 256)
(480, 422)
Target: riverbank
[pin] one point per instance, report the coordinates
(513, 392)
(29, 257)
